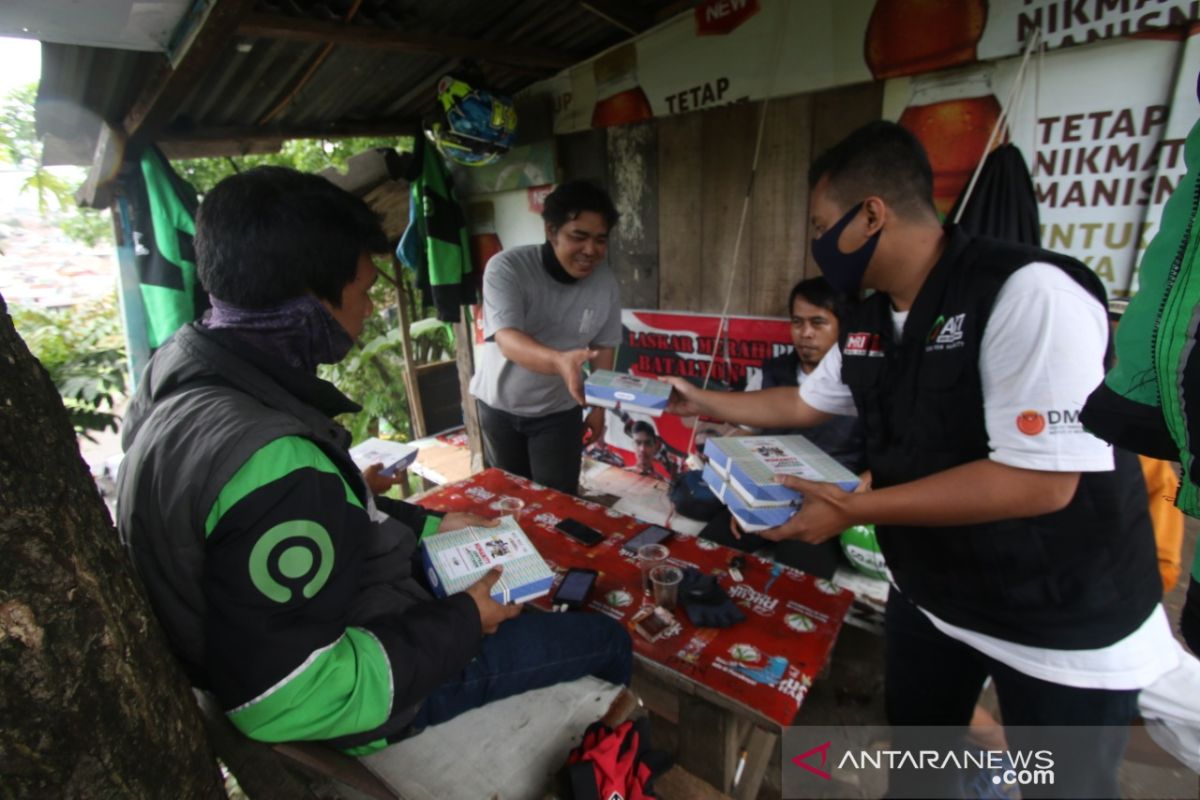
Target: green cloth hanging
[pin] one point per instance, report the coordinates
(164, 230)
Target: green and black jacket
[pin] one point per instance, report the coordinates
(280, 585)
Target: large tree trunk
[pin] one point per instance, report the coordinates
(92, 703)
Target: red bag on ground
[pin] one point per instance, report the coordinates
(615, 764)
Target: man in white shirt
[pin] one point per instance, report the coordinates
(1017, 549)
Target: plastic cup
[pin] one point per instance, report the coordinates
(650, 556)
(665, 579)
(509, 504)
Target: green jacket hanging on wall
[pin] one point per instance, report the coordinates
(435, 245)
(163, 230)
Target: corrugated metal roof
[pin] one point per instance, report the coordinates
(354, 85)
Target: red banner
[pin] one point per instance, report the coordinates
(660, 343)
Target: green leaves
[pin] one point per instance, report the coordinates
(306, 155)
(20, 147)
(433, 340)
(47, 186)
(83, 350)
(373, 373)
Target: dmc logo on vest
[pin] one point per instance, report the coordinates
(1031, 423)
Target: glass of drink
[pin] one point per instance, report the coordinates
(665, 579)
(650, 556)
(509, 504)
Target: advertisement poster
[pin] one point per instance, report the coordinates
(728, 51)
(1185, 111)
(1100, 149)
(1094, 118)
(661, 343)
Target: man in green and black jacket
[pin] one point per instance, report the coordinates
(284, 586)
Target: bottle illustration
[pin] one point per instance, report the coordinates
(953, 116)
(908, 37)
(621, 99)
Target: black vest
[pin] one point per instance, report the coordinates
(1080, 578)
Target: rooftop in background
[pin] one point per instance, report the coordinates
(249, 74)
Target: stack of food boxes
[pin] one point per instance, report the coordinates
(741, 471)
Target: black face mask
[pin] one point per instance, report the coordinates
(844, 271)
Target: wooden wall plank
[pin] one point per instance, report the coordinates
(583, 156)
(680, 174)
(779, 215)
(703, 165)
(727, 149)
(837, 113)
(633, 183)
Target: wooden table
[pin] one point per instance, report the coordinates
(735, 688)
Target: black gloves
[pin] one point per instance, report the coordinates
(706, 603)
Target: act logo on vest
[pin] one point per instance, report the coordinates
(1033, 423)
(946, 333)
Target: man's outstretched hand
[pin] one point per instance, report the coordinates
(381, 484)
(570, 369)
(826, 512)
(683, 399)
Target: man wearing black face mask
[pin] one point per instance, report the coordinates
(1017, 549)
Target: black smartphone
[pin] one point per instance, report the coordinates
(588, 537)
(652, 535)
(575, 588)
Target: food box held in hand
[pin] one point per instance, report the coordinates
(747, 466)
(455, 560)
(608, 389)
(751, 519)
(394, 456)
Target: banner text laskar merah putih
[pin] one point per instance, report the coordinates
(660, 343)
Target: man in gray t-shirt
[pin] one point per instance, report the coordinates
(547, 310)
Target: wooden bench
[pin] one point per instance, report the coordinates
(510, 749)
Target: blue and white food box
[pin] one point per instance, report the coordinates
(608, 389)
(749, 465)
(750, 518)
(454, 561)
(394, 456)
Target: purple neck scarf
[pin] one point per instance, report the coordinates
(299, 331)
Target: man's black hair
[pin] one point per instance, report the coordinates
(879, 159)
(573, 198)
(270, 234)
(641, 426)
(818, 292)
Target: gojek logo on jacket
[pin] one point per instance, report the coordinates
(294, 555)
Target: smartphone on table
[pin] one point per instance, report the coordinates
(651, 535)
(575, 588)
(586, 536)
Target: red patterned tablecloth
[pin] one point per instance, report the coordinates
(765, 664)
